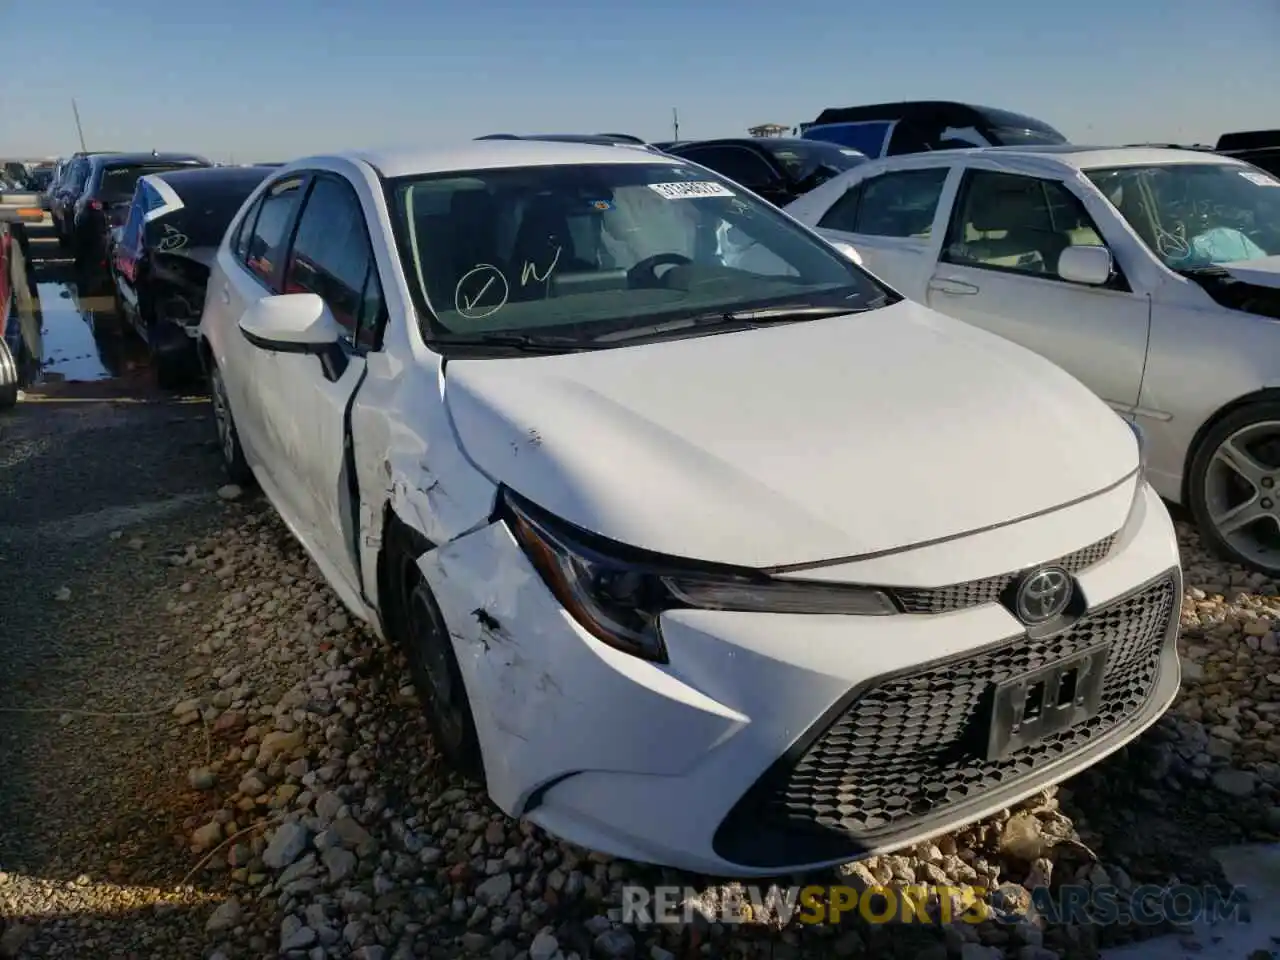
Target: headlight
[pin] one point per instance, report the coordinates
(618, 593)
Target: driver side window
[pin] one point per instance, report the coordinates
(1017, 224)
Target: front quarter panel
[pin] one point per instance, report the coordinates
(1202, 357)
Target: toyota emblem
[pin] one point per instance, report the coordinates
(1042, 595)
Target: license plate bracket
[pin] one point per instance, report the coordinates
(1050, 699)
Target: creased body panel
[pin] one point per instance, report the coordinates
(645, 761)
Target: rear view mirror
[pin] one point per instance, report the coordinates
(1089, 265)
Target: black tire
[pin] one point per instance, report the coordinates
(9, 377)
(233, 459)
(413, 620)
(1266, 559)
(173, 356)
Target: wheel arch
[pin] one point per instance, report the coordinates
(393, 529)
(1193, 448)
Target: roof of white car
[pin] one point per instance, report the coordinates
(493, 154)
(1068, 156)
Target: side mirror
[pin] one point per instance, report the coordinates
(291, 323)
(1090, 265)
(848, 250)
(297, 323)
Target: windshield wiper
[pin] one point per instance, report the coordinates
(517, 342)
(760, 316)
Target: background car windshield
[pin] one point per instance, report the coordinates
(1013, 129)
(610, 246)
(801, 160)
(1197, 214)
(118, 182)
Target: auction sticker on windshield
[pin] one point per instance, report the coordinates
(690, 190)
(1261, 179)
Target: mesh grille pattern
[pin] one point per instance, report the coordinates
(914, 745)
(988, 590)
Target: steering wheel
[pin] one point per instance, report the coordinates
(644, 273)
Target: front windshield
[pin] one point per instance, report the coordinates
(802, 159)
(1197, 214)
(586, 250)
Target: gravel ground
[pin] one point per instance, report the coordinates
(202, 756)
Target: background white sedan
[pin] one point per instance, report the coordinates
(1151, 275)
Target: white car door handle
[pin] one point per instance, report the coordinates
(955, 287)
(225, 294)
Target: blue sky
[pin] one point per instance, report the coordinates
(275, 79)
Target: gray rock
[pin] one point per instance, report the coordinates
(230, 491)
(295, 935)
(286, 845)
(225, 917)
(340, 863)
(14, 939)
(616, 944)
(495, 890)
(1235, 783)
(201, 778)
(544, 947)
(371, 952)
(327, 806)
(297, 870)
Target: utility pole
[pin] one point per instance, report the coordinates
(79, 129)
(675, 124)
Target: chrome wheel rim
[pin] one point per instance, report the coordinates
(222, 417)
(1242, 492)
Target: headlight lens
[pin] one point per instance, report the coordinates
(618, 594)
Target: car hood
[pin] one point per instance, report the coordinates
(1262, 272)
(797, 443)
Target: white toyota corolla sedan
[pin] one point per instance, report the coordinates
(705, 548)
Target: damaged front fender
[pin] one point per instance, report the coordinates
(537, 682)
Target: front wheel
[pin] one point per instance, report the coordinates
(233, 459)
(1234, 487)
(414, 620)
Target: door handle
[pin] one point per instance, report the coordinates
(225, 294)
(955, 287)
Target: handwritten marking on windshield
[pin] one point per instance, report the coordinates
(530, 270)
(482, 281)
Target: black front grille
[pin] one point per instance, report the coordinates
(973, 593)
(910, 748)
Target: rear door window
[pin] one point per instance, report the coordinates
(267, 241)
(900, 204)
